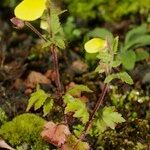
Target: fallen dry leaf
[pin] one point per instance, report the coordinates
(55, 134)
(34, 78)
(3, 144)
(79, 66)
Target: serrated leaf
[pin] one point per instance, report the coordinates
(125, 77)
(41, 99)
(68, 98)
(34, 98)
(79, 88)
(55, 23)
(59, 42)
(128, 59)
(79, 108)
(107, 117)
(111, 118)
(104, 57)
(48, 105)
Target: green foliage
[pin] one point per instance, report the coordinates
(127, 137)
(40, 98)
(70, 29)
(124, 76)
(55, 34)
(25, 128)
(135, 38)
(78, 129)
(76, 144)
(131, 103)
(108, 10)
(3, 116)
(77, 89)
(107, 117)
(76, 105)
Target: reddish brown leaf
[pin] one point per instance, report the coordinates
(55, 134)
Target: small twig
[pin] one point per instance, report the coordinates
(35, 31)
(97, 106)
(56, 68)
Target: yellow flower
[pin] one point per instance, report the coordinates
(95, 45)
(29, 10)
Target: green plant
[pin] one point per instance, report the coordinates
(38, 99)
(132, 50)
(71, 102)
(25, 128)
(110, 11)
(3, 116)
(134, 39)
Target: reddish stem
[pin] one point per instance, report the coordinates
(56, 69)
(96, 107)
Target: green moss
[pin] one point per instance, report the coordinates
(22, 129)
(132, 135)
(3, 116)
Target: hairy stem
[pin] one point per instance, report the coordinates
(56, 69)
(96, 107)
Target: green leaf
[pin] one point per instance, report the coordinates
(78, 88)
(78, 129)
(107, 117)
(38, 99)
(100, 69)
(76, 144)
(41, 99)
(104, 57)
(54, 22)
(111, 118)
(124, 76)
(48, 105)
(47, 44)
(35, 97)
(59, 42)
(78, 108)
(99, 32)
(128, 59)
(110, 77)
(116, 63)
(141, 55)
(134, 33)
(115, 44)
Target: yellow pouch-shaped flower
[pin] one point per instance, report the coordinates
(95, 45)
(29, 10)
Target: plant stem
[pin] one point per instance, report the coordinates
(56, 68)
(96, 107)
(35, 31)
(55, 60)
